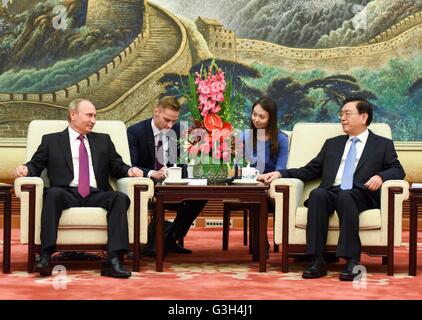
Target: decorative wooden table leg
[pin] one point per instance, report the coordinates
(263, 237)
(159, 240)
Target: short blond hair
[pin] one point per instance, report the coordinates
(169, 102)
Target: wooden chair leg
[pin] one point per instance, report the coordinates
(255, 231)
(384, 260)
(245, 227)
(284, 261)
(250, 231)
(276, 246)
(226, 226)
(31, 258)
(31, 263)
(390, 265)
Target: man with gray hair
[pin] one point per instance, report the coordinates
(78, 163)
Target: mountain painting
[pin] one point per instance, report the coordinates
(123, 55)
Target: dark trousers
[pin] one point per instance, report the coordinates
(188, 211)
(57, 199)
(348, 204)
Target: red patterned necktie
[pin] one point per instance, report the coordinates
(83, 185)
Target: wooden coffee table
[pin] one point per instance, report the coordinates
(251, 194)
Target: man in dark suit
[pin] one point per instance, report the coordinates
(78, 163)
(153, 146)
(353, 168)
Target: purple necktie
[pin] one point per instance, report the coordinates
(83, 185)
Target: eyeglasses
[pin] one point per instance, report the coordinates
(347, 114)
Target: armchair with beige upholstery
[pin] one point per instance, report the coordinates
(380, 229)
(81, 228)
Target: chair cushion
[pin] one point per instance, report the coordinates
(368, 220)
(83, 218)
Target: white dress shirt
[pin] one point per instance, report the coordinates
(74, 147)
(159, 134)
(360, 145)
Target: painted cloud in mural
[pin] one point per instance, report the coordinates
(301, 23)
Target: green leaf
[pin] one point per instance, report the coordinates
(192, 99)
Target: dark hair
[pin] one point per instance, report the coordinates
(270, 106)
(363, 106)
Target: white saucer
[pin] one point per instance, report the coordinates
(180, 182)
(244, 181)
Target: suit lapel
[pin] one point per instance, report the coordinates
(340, 150)
(369, 146)
(65, 145)
(150, 141)
(338, 153)
(92, 139)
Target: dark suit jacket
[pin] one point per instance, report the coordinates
(142, 145)
(378, 158)
(55, 155)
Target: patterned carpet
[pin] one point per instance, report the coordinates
(210, 274)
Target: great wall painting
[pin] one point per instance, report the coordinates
(124, 54)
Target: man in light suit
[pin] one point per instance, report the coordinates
(353, 168)
(78, 163)
(152, 143)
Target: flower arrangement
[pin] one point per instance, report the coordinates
(212, 102)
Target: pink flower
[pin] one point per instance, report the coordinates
(209, 106)
(215, 87)
(216, 108)
(217, 96)
(226, 156)
(203, 89)
(203, 99)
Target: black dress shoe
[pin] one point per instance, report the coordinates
(350, 271)
(317, 269)
(113, 268)
(176, 248)
(43, 266)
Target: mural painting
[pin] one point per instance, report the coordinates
(123, 55)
